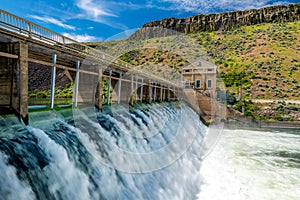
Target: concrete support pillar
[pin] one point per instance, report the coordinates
(135, 90)
(168, 94)
(119, 88)
(99, 90)
(154, 96)
(108, 87)
(23, 66)
(174, 93)
(76, 84)
(150, 92)
(164, 94)
(53, 76)
(131, 102)
(141, 93)
(161, 94)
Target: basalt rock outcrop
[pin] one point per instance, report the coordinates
(229, 20)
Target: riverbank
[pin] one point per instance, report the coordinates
(253, 124)
(236, 120)
(210, 110)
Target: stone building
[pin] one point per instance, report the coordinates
(200, 75)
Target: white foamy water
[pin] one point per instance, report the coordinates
(253, 165)
(11, 186)
(65, 180)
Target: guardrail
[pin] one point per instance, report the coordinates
(27, 29)
(24, 27)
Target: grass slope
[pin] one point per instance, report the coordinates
(266, 57)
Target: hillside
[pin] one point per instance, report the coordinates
(259, 52)
(264, 58)
(230, 20)
(267, 56)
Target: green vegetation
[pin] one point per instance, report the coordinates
(63, 95)
(247, 106)
(60, 92)
(105, 92)
(266, 55)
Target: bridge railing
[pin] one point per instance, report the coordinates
(25, 28)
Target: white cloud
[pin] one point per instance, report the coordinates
(82, 38)
(53, 21)
(100, 12)
(94, 10)
(206, 6)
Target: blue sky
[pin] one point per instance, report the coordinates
(98, 20)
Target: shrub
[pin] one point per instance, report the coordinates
(248, 113)
(278, 118)
(41, 94)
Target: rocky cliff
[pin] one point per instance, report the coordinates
(230, 20)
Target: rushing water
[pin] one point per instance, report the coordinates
(150, 152)
(54, 159)
(253, 165)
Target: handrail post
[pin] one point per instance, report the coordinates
(29, 29)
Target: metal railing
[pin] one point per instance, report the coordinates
(27, 29)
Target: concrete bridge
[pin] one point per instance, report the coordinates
(23, 43)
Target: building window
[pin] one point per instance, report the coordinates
(187, 83)
(210, 70)
(209, 83)
(187, 70)
(198, 84)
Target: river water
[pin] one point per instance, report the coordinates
(253, 165)
(149, 152)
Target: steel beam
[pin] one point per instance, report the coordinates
(53, 76)
(108, 87)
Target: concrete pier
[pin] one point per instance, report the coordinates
(23, 82)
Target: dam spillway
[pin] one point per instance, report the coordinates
(57, 159)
